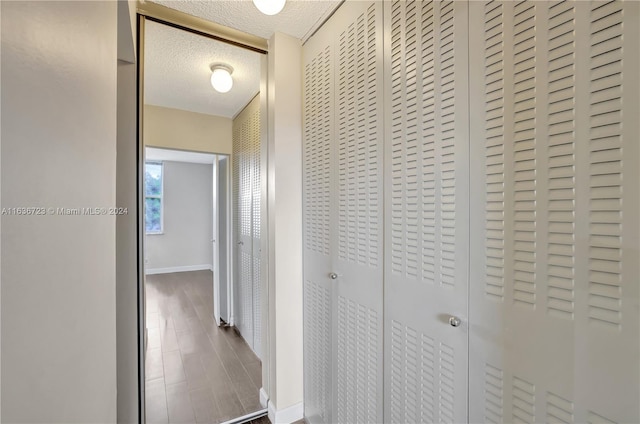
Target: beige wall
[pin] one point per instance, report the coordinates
(59, 70)
(184, 130)
(187, 220)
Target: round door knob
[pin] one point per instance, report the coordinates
(333, 276)
(454, 321)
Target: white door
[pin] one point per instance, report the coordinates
(247, 222)
(222, 291)
(343, 198)
(554, 243)
(217, 298)
(243, 221)
(511, 207)
(426, 212)
(358, 217)
(256, 255)
(319, 235)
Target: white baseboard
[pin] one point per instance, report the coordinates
(287, 415)
(264, 398)
(178, 269)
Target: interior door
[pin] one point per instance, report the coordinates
(358, 213)
(319, 236)
(256, 253)
(222, 230)
(215, 260)
(243, 296)
(343, 200)
(554, 293)
(426, 211)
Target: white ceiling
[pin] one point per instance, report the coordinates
(177, 72)
(297, 19)
(152, 153)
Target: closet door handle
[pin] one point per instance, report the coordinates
(333, 276)
(454, 321)
(240, 243)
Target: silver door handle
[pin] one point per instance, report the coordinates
(333, 276)
(241, 243)
(454, 321)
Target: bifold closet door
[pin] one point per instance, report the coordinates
(555, 234)
(254, 158)
(243, 275)
(246, 202)
(358, 260)
(319, 233)
(343, 204)
(426, 212)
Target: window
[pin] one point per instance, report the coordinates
(153, 197)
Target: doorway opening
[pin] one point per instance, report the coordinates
(202, 216)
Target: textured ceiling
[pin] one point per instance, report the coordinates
(177, 72)
(297, 19)
(177, 63)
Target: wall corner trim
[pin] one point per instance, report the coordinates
(264, 398)
(287, 415)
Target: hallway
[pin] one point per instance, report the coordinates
(195, 371)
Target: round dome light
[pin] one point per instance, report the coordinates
(269, 7)
(221, 78)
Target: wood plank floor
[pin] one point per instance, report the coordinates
(196, 372)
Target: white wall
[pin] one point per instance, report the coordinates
(126, 252)
(188, 219)
(126, 225)
(185, 130)
(285, 226)
(58, 272)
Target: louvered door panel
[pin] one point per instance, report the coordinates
(553, 260)
(254, 137)
(238, 237)
(319, 235)
(246, 173)
(243, 295)
(426, 212)
(244, 299)
(256, 308)
(235, 202)
(357, 350)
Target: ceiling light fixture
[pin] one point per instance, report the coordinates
(269, 7)
(221, 77)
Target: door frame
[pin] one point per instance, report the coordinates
(228, 230)
(182, 21)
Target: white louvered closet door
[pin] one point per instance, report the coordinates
(243, 293)
(254, 157)
(319, 236)
(343, 204)
(246, 184)
(426, 211)
(555, 235)
(358, 259)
